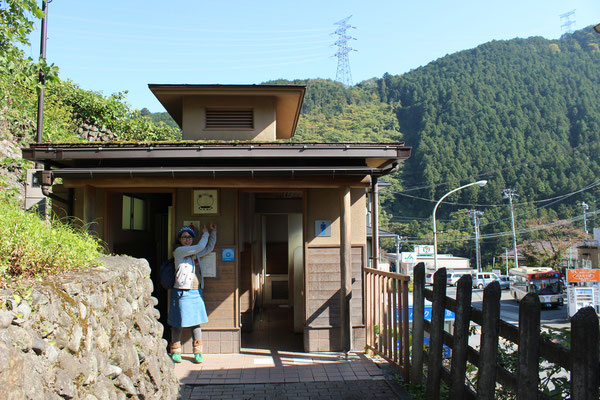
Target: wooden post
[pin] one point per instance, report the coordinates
(417, 324)
(584, 355)
(438, 307)
(374, 223)
(405, 333)
(458, 365)
(486, 382)
(396, 314)
(528, 373)
(345, 270)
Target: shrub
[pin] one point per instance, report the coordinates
(32, 248)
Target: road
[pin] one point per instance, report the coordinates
(509, 308)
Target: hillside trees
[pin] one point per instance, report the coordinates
(520, 113)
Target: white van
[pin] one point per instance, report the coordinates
(455, 276)
(482, 279)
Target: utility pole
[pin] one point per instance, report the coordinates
(42, 77)
(584, 207)
(506, 258)
(476, 214)
(509, 194)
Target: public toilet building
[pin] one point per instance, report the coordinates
(291, 216)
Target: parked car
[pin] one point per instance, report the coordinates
(482, 279)
(428, 279)
(504, 282)
(454, 277)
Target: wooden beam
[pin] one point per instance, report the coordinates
(280, 183)
(345, 270)
(374, 224)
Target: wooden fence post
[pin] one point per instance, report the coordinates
(405, 333)
(438, 309)
(584, 355)
(486, 375)
(528, 370)
(417, 323)
(460, 347)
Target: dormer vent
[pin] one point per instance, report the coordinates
(229, 119)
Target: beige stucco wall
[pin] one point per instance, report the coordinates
(324, 204)
(194, 118)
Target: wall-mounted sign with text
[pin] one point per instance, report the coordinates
(583, 275)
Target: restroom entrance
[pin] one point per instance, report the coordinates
(271, 269)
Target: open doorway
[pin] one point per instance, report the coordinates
(139, 225)
(272, 270)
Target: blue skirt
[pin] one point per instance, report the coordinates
(187, 308)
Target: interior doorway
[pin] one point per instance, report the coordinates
(272, 269)
(139, 225)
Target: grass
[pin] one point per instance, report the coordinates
(32, 248)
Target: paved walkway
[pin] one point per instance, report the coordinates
(273, 374)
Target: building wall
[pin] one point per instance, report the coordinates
(194, 112)
(324, 204)
(323, 298)
(322, 270)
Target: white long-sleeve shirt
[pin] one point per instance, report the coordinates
(185, 267)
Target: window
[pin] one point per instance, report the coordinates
(134, 214)
(229, 119)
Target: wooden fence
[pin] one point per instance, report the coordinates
(581, 360)
(386, 296)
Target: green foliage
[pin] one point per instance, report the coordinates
(521, 113)
(16, 21)
(31, 248)
(111, 112)
(159, 117)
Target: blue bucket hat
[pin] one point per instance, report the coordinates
(187, 229)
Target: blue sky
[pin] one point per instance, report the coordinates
(113, 46)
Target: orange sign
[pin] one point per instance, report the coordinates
(583, 275)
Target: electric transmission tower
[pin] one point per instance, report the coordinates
(343, 73)
(509, 194)
(476, 214)
(566, 22)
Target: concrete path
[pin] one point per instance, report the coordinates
(274, 374)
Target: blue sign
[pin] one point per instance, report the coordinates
(448, 315)
(228, 254)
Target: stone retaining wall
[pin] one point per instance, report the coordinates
(91, 334)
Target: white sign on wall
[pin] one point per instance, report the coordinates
(408, 257)
(208, 265)
(425, 250)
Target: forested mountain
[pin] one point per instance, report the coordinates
(522, 113)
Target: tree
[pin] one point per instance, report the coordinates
(551, 250)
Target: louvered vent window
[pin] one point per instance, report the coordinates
(229, 119)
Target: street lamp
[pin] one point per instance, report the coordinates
(478, 183)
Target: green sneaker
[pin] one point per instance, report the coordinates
(198, 358)
(176, 357)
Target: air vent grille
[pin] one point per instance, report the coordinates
(229, 119)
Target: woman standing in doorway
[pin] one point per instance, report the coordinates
(187, 306)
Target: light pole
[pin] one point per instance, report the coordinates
(478, 183)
